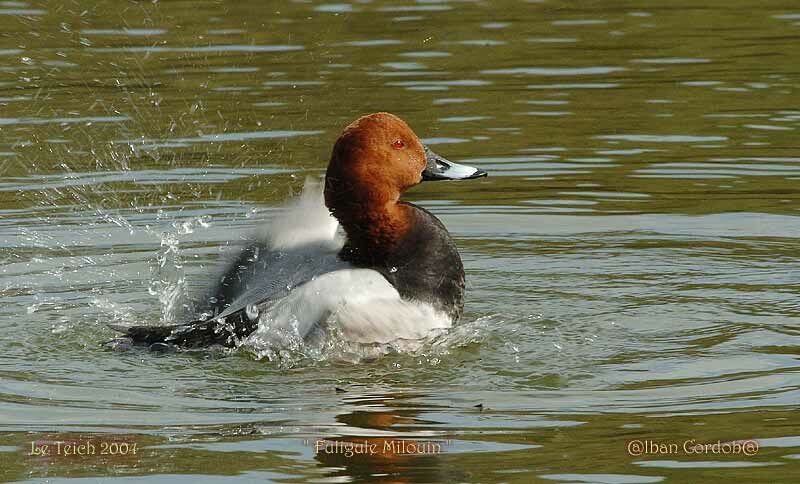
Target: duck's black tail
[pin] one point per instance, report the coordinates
(227, 332)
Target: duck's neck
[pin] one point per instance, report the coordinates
(374, 231)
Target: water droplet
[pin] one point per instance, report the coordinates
(252, 312)
(393, 270)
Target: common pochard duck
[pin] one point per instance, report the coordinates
(377, 268)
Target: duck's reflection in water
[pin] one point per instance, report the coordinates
(384, 440)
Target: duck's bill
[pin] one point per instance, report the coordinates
(439, 168)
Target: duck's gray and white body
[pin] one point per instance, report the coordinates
(292, 283)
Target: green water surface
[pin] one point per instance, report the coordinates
(632, 259)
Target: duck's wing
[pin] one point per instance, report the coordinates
(255, 281)
(299, 245)
(296, 245)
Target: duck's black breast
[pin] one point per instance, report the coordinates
(424, 265)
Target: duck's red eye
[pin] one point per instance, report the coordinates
(398, 144)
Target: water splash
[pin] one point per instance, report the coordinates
(329, 344)
(116, 312)
(167, 277)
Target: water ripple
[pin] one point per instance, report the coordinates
(556, 71)
(656, 138)
(205, 48)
